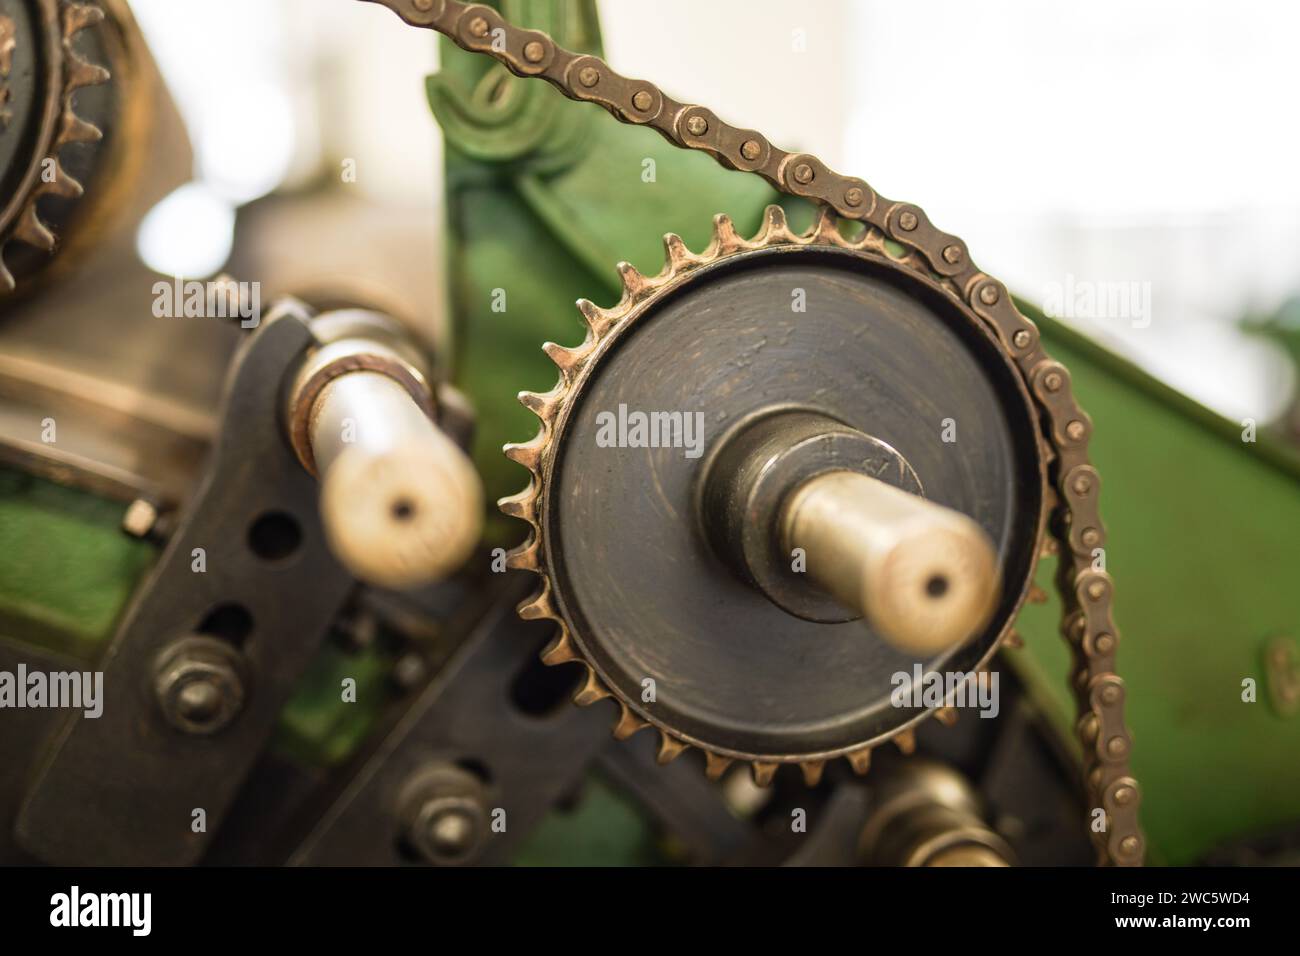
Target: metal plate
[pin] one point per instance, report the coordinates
(889, 355)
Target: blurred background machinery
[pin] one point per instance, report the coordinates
(347, 682)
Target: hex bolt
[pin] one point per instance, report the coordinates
(201, 684)
(444, 815)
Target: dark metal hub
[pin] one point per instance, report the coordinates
(750, 476)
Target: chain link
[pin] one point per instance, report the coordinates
(1086, 591)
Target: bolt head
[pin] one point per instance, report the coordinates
(642, 100)
(803, 174)
(1104, 643)
(908, 221)
(1075, 431)
(989, 294)
(478, 27)
(751, 149)
(854, 196)
(697, 126)
(200, 685)
(1022, 339)
(588, 76)
(534, 51)
(448, 829)
(952, 255)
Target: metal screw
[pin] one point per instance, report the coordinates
(642, 100)
(445, 815)
(534, 51)
(908, 221)
(751, 149)
(588, 76)
(478, 27)
(1075, 430)
(803, 174)
(199, 683)
(952, 255)
(697, 126)
(989, 294)
(853, 196)
(1022, 339)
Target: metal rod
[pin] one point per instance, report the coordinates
(924, 576)
(401, 503)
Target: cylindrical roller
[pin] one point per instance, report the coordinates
(924, 576)
(401, 503)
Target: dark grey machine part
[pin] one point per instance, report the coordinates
(25, 732)
(121, 789)
(647, 595)
(466, 716)
(680, 799)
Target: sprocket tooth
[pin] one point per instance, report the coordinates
(1013, 640)
(946, 716)
(763, 772)
(522, 504)
(905, 740)
(567, 360)
(635, 285)
(539, 606)
(78, 16)
(715, 765)
(541, 404)
(560, 650)
(73, 129)
(628, 723)
(774, 226)
(826, 227)
(812, 771)
(526, 557)
(32, 231)
(61, 184)
(591, 691)
(598, 320)
(860, 760)
(670, 748)
(529, 453)
(676, 254)
(80, 73)
(725, 237)
(1036, 595)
